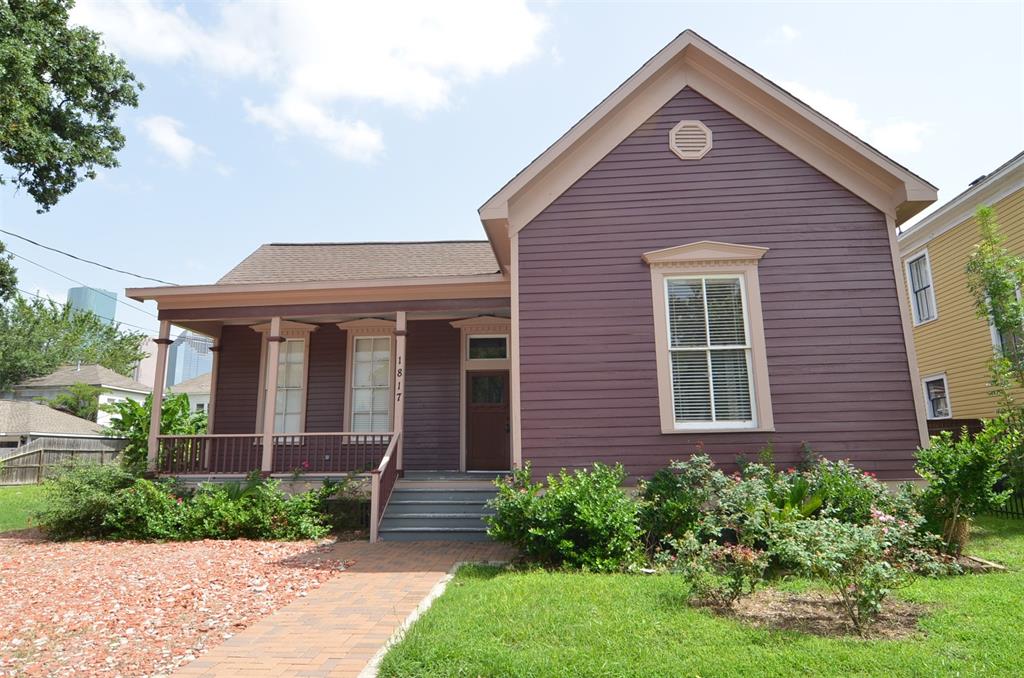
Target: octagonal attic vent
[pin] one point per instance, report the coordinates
(690, 139)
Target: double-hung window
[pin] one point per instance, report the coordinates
(922, 294)
(371, 384)
(710, 347)
(712, 367)
(290, 400)
(936, 397)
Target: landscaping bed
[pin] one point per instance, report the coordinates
(132, 609)
(495, 623)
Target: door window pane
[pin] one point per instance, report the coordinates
(487, 389)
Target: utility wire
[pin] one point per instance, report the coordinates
(88, 261)
(105, 293)
(147, 330)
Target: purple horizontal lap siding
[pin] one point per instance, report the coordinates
(325, 395)
(238, 370)
(836, 356)
(432, 396)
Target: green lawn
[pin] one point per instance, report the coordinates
(17, 503)
(493, 623)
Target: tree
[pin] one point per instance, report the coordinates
(995, 277)
(80, 400)
(37, 336)
(59, 97)
(8, 275)
(131, 421)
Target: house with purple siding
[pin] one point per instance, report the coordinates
(701, 261)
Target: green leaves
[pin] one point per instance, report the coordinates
(80, 400)
(37, 336)
(59, 97)
(131, 420)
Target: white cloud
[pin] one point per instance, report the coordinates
(782, 35)
(892, 136)
(322, 60)
(164, 132)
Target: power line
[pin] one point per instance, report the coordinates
(119, 322)
(88, 261)
(79, 282)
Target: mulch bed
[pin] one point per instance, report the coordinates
(140, 609)
(822, 615)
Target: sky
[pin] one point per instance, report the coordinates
(331, 122)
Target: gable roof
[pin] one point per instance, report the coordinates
(336, 262)
(18, 417)
(990, 188)
(200, 384)
(691, 61)
(94, 375)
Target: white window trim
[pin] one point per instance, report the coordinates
(928, 401)
(711, 259)
(367, 327)
(290, 331)
(931, 288)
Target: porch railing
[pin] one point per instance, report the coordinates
(382, 483)
(341, 452)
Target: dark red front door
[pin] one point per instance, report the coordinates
(487, 422)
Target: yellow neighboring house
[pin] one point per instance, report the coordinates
(954, 346)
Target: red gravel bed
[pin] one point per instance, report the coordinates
(139, 609)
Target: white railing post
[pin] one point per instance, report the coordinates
(274, 340)
(162, 341)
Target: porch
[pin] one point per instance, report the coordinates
(316, 397)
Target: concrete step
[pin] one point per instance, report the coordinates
(434, 534)
(453, 476)
(434, 520)
(405, 493)
(436, 506)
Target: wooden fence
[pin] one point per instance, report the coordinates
(28, 464)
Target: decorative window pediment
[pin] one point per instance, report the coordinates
(706, 253)
(368, 326)
(289, 329)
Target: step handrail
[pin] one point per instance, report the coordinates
(382, 482)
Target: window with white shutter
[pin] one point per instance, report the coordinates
(709, 338)
(710, 350)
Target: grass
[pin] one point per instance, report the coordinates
(503, 624)
(17, 503)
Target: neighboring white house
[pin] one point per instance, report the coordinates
(116, 387)
(22, 422)
(198, 391)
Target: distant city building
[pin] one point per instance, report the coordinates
(188, 357)
(101, 302)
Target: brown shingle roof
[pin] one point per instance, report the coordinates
(19, 417)
(330, 262)
(200, 384)
(94, 375)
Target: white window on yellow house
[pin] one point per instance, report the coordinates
(936, 396)
(922, 294)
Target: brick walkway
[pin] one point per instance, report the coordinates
(339, 627)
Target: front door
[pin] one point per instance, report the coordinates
(487, 421)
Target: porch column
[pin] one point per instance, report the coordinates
(162, 341)
(274, 340)
(400, 331)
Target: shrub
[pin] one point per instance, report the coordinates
(718, 574)
(847, 493)
(860, 564)
(255, 509)
(130, 420)
(78, 496)
(144, 510)
(93, 501)
(582, 520)
(673, 500)
(962, 476)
